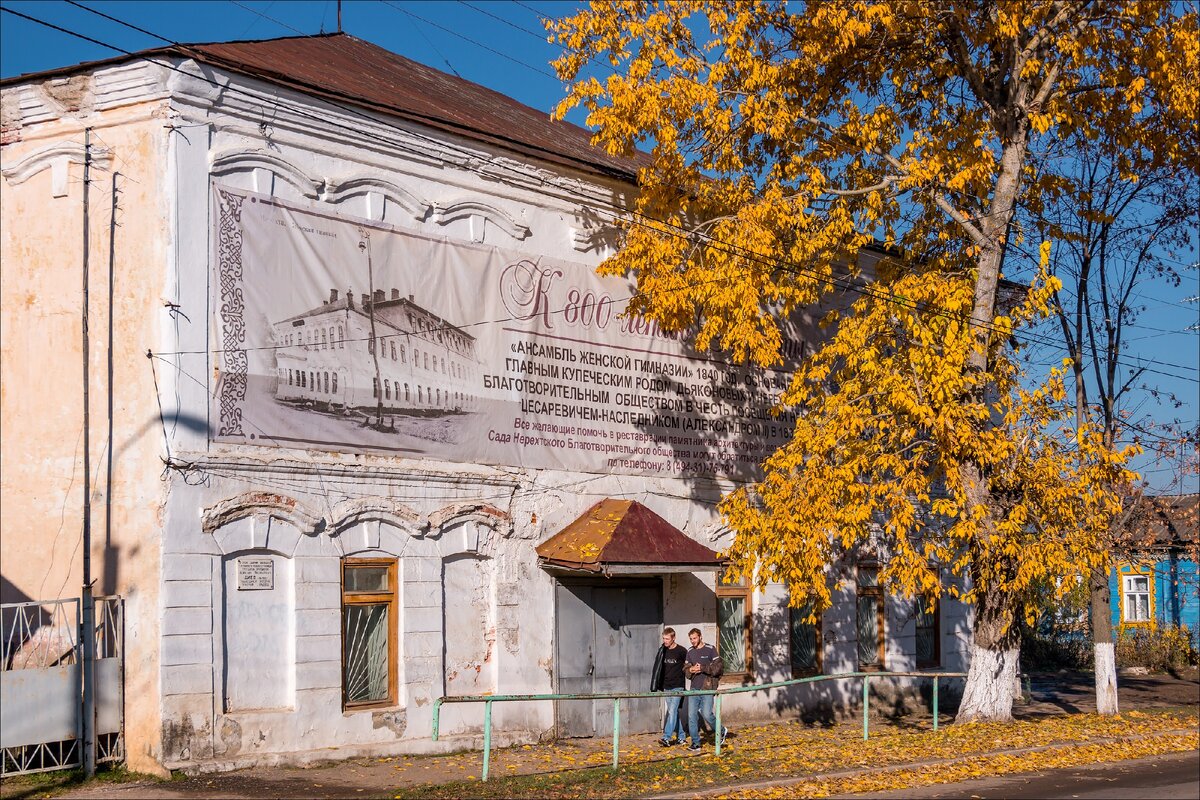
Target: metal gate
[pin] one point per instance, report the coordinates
(41, 685)
(608, 635)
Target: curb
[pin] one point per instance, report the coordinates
(712, 791)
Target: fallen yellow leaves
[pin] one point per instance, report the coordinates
(899, 753)
(1057, 757)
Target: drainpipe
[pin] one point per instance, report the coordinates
(87, 634)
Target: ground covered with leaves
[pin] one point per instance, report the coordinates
(784, 754)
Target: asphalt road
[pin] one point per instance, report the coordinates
(1173, 777)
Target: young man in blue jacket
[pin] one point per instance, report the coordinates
(668, 676)
(704, 667)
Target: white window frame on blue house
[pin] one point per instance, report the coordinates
(1131, 593)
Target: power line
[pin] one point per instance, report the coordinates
(617, 212)
(468, 39)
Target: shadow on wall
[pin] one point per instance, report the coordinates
(826, 702)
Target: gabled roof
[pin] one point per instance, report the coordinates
(345, 69)
(623, 536)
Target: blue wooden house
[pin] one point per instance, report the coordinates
(1156, 580)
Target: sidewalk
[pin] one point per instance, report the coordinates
(779, 750)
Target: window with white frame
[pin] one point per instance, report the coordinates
(1136, 593)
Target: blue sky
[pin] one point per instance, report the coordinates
(502, 45)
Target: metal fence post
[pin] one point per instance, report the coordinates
(866, 704)
(487, 737)
(935, 703)
(717, 717)
(437, 717)
(616, 732)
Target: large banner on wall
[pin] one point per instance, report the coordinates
(341, 334)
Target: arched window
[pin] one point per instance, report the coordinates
(427, 361)
(341, 338)
(374, 387)
(335, 383)
(406, 394)
(403, 360)
(416, 357)
(371, 345)
(326, 383)
(420, 394)
(387, 389)
(324, 340)
(312, 381)
(290, 378)
(393, 350)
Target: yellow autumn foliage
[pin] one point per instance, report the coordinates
(788, 139)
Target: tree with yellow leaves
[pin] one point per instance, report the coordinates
(785, 138)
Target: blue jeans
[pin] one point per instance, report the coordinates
(700, 706)
(674, 723)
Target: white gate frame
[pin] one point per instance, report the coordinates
(41, 689)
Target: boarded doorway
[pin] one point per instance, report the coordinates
(607, 635)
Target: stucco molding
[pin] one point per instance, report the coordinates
(350, 513)
(233, 161)
(56, 156)
(482, 513)
(336, 192)
(445, 213)
(261, 504)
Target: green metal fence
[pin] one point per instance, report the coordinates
(617, 697)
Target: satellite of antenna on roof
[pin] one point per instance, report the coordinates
(339, 10)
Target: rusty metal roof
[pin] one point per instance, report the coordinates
(348, 70)
(621, 533)
(1163, 521)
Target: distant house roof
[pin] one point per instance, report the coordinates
(1164, 521)
(345, 69)
(616, 537)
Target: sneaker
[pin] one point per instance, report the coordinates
(665, 742)
(694, 748)
(724, 733)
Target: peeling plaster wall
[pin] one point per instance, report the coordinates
(41, 387)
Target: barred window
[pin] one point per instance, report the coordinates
(804, 641)
(368, 632)
(733, 625)
(870, 618)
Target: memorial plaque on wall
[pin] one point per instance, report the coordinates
(255, 574)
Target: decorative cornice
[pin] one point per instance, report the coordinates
(352, 471)
(482, 513)
(465, 209)
(72, 152)
(364, 184)
(352, 512)
(266, 504)
(231, 161)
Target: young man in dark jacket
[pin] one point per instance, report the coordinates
(704, 667)
(668, 677)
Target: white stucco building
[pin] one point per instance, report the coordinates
(296, 600)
